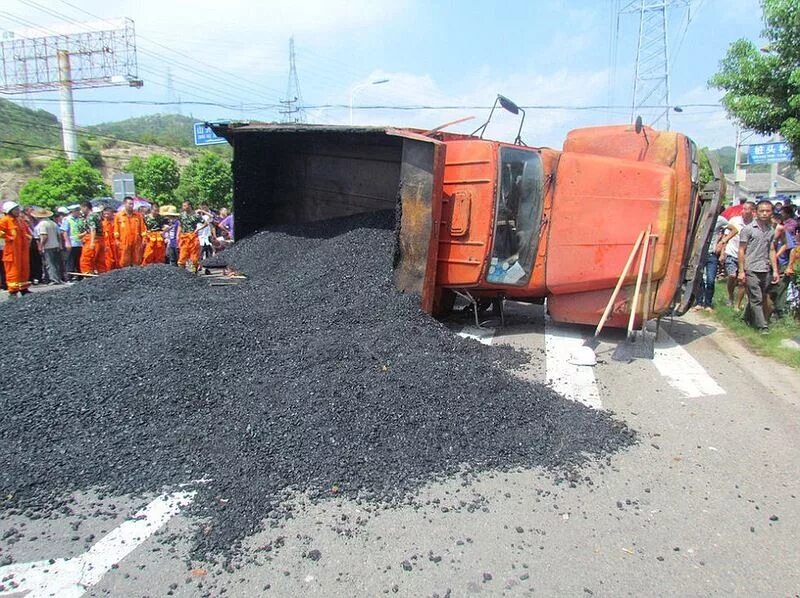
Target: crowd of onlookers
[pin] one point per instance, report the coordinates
(86, 239)
(756, 249)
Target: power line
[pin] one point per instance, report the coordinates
(238, 79)
(141, 50)
(407, 107)
(146, 52)
(84, 132)
(42, 147)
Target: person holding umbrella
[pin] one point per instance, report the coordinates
(16, 253)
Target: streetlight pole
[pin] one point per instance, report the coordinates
(736, 181)
(362, 86)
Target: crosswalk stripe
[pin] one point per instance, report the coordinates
(682, 371)
(575, 382)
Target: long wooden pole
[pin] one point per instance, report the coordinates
(639, 277)
(622, 276)
(649, 302)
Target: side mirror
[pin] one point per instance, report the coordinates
(508, 104)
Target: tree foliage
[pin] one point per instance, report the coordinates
(762, 88)
(157, 177)
(705, 174)
(61, 183)
(207, 179)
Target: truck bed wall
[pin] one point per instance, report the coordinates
(302, 177)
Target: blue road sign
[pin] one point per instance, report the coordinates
(203, 135)
(767, 153)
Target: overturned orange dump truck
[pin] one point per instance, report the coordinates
(490, 220)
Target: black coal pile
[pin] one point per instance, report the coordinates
(313, 375)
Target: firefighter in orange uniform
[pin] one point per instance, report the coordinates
(93, 256)
(128, 230)
(16, 252)
(155, 251)
(112, 261)
(189, 243)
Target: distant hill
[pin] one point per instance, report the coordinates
(26, 131)
(169, 130)
(725, 155)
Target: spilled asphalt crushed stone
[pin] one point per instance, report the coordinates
(314, 375)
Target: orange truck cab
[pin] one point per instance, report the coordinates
(484, 219)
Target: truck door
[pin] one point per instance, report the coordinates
(518, 214)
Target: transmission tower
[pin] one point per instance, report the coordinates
(651, 92)
(172, 95)
(292, 110)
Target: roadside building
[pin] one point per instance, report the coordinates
(756, 186)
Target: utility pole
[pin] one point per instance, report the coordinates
(773, 180)
(736, 180)
(67, 109)
(292, 110)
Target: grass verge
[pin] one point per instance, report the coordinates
(764, 344)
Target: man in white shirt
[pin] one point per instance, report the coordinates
(735, 225)
(204, 234)
(49, 244)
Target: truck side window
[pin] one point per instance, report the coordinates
(517, 217)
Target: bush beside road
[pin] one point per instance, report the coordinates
(772, 344)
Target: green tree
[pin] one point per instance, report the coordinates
(61, 183)
(89, 151)
(762, 88)
(157, 177)
(207, 179)
(705, 174)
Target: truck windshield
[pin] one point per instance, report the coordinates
(519, 211)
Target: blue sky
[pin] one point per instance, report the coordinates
(537, 52)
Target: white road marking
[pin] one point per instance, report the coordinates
(681, 370)
(482, 335)
(575, 382)
(71, 578)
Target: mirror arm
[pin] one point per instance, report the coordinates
(482, 128)
(518, 140)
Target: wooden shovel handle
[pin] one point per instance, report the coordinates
(622, 276)
(639, 277)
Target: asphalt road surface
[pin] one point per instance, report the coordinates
(705, 504)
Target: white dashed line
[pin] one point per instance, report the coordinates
(575, 382)
(682, 371)
(71, 578)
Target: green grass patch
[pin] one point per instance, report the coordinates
(764, 344)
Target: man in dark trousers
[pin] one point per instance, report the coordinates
(758, 266)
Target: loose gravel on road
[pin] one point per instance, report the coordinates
(313, 375)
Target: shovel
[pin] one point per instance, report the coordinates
(637, 344)
(584, 355)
